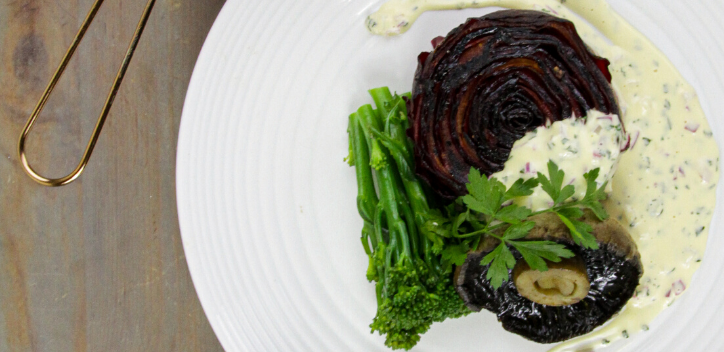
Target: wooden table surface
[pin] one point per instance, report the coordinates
(97, 265)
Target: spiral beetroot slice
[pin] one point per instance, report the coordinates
(492, 80)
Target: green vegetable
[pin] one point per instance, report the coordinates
(368, 118)
(366, 196)
(570, 212)
(413, 283)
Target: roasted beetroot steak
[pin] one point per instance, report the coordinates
(490, 81)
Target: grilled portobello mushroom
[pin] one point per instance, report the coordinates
(570, 299)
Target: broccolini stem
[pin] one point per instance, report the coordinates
(380, 250)
(413, 188)
(395, 140)
(385, 257)
(394, 111)
(366, 195)
(350, 156)
(427, 254)
(370, 228)
(403, 160)
(382, 98)
(388, 195)
(377, 157)
(391, 110)
(398, 152)
(395, 224)
(389, 253)
(367, 235)
(378, 225)
(366, 230)
(411, 225)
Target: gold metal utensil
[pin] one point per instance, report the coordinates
(106, 108)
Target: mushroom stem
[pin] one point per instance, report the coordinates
(563, 284)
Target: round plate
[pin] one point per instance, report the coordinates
(267, 205)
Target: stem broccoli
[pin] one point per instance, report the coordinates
(413, 289)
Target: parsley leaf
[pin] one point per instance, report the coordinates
(592, 199)
(590, 178)
(597, 209)
(594, 196)
(574, 213)
(564, 194)
(492, 255)
(521, 188)
(534, 253)
(484, 196)
(518, 231)
(513, 214)
(436, 225)
(501, 260)
(459, 220)
(455, 254)
(553, 185)
(549, 250)
(546, 185)
(436, 228)
(580, 231)
(556, 175)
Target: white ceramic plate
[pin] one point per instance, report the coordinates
(267, 206)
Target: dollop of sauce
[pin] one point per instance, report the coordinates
(664, 188)
(576, 145)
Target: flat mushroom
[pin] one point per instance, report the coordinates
(570, 299)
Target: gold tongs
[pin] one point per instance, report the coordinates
(106, 108)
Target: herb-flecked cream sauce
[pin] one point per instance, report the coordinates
(576, 145)
(664, 185)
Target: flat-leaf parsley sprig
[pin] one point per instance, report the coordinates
(486, 214)
(571, 211)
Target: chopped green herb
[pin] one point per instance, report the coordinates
(486, 198)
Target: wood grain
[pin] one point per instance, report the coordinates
(97, 265)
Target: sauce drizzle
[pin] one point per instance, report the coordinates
(664, 188)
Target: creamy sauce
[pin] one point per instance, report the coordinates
(664, 188)
(575, 145)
